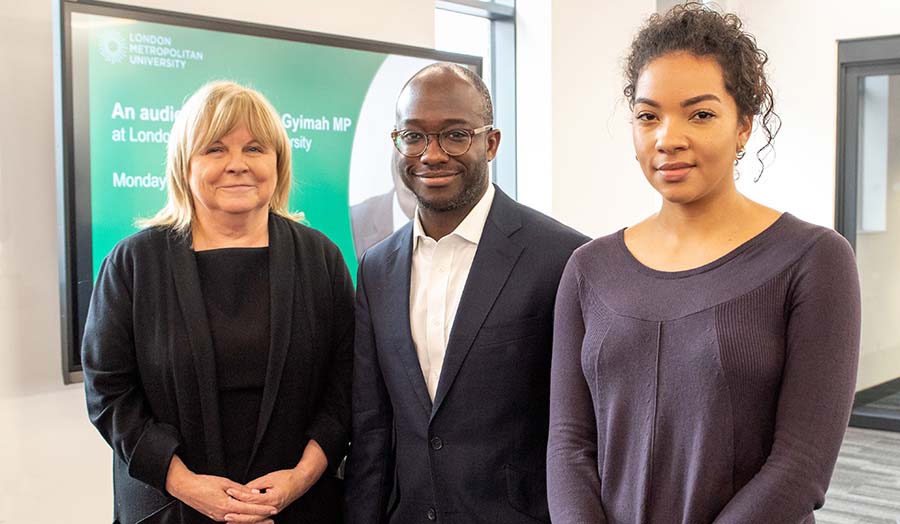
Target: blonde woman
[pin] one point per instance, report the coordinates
(217, 348)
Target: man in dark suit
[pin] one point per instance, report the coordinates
(454, 328)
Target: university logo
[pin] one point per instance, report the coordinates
(112, 46)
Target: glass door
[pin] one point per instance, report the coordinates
(868, 203)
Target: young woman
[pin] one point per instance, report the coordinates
(704, 359)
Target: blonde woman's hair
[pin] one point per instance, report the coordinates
(210, 113)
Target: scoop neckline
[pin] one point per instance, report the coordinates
(228, 250)
(709, 266)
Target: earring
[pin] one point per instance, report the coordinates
(740, 154)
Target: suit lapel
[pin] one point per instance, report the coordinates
(282, 270)
(398, 269)
(494, 260)
(193, 310)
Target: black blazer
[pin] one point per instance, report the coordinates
(478, 453)
(150, 378)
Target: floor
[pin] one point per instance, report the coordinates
(865, 488)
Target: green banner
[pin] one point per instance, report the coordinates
(140, 73)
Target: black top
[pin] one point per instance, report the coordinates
(235, 286)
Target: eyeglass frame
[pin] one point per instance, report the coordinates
(473, 132)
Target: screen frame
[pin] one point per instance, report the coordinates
(75, 294)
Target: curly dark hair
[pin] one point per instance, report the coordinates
(694, 28)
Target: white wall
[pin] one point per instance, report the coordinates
(54, 467)
(40, 480)
(597, 185)
(802, 45)
(534, 115)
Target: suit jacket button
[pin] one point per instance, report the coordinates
(437, 443)
(431, 514)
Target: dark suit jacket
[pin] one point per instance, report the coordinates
(372, 220)
(478, 453)
(150, 375)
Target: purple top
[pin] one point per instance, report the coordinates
(717, 394)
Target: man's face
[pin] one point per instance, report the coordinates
(433, 103)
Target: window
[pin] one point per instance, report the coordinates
(487, 28)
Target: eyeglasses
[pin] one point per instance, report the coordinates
(454, 142)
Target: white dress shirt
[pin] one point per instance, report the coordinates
(439, 272)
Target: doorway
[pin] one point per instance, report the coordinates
(868, 215)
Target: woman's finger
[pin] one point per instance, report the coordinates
(261, 510)
(264, 482)
(245, 495)
(269, 498)
(247, 519)
(230, 484)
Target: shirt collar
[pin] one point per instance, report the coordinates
(470, 228)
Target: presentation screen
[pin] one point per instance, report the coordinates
(127, 71)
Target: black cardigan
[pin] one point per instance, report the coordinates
(150, 378)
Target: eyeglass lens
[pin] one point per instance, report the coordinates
(454, 142)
